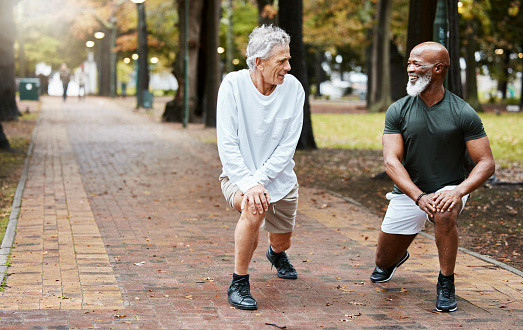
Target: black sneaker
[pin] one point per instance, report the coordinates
(446, 301)
(380, 275)
(283, 265)
(239, 295)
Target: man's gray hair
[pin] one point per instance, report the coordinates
(262, 40)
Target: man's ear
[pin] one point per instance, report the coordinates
(259, 63)
(439, 68)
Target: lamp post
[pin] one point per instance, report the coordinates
(186, 65)
(441, 27)
(90, 71)
(143, 72)
(99, 36)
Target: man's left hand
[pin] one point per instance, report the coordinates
(446, 200)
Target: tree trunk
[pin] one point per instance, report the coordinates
(318, 71)
(211, 14)
(521, 90)
(265, 14)
(397, 70)
(4, 143)
(143, 63)
(175, 109)
(105, 64)
(8, 108)
(454, 74)
(380, 97)
(291, 20)
(503, 81)
(471, 85)
(420, 27)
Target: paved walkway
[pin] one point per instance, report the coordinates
(123, 225)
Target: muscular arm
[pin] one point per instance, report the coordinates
(480, 152)
(393, 150)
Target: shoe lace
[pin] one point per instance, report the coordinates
(283, 263)
(446, 291)
(243, 289)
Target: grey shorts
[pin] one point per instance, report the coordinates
(281, 216)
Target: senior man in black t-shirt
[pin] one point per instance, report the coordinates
(424, 142)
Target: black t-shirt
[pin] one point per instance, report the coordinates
(434, 138)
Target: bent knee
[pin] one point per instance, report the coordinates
(250, 218)
(445, 221)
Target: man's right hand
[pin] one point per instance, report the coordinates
(258, 198)
(426, 203)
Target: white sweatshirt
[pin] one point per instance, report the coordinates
(257, 134)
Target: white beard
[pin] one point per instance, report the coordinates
(416, 88)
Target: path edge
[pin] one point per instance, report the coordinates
(462, 249)
(10, 231)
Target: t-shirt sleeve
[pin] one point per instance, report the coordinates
(392, 120)
(472, 125)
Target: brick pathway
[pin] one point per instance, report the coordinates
(123, 225)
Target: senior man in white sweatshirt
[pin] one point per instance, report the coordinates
(259, 122)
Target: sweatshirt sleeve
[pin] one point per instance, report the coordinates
(284, 152)
(227, 138)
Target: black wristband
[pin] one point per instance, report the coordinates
(419, 197)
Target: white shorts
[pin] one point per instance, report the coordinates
(404, 217)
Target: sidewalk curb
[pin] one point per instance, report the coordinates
(10, 231)
(464, 250)
(482, 257)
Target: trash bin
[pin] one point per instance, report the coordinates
(147, 99)
(29, 88)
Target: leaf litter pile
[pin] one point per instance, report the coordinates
(491, 223)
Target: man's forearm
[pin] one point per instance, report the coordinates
(483, 170)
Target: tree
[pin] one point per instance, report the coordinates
(454, 74)
(212, 61)
(291, 20)
(476, 25)
(4, 142)
(8, 108)
(380, 94)
(174, 110)
(266, 12)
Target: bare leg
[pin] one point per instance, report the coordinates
(280, 242)
(446, 232)
(245, 236)
(391, 247)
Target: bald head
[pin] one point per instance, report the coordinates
(432, 52)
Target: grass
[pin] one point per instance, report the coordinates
(364, 131)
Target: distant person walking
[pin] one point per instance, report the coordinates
(82, 80)
(65, 77)
(259, 121)
(424, 142)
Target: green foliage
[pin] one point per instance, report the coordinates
(244, 20)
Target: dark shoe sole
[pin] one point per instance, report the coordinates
(405, 257)
(239, 306)
(286, 277)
